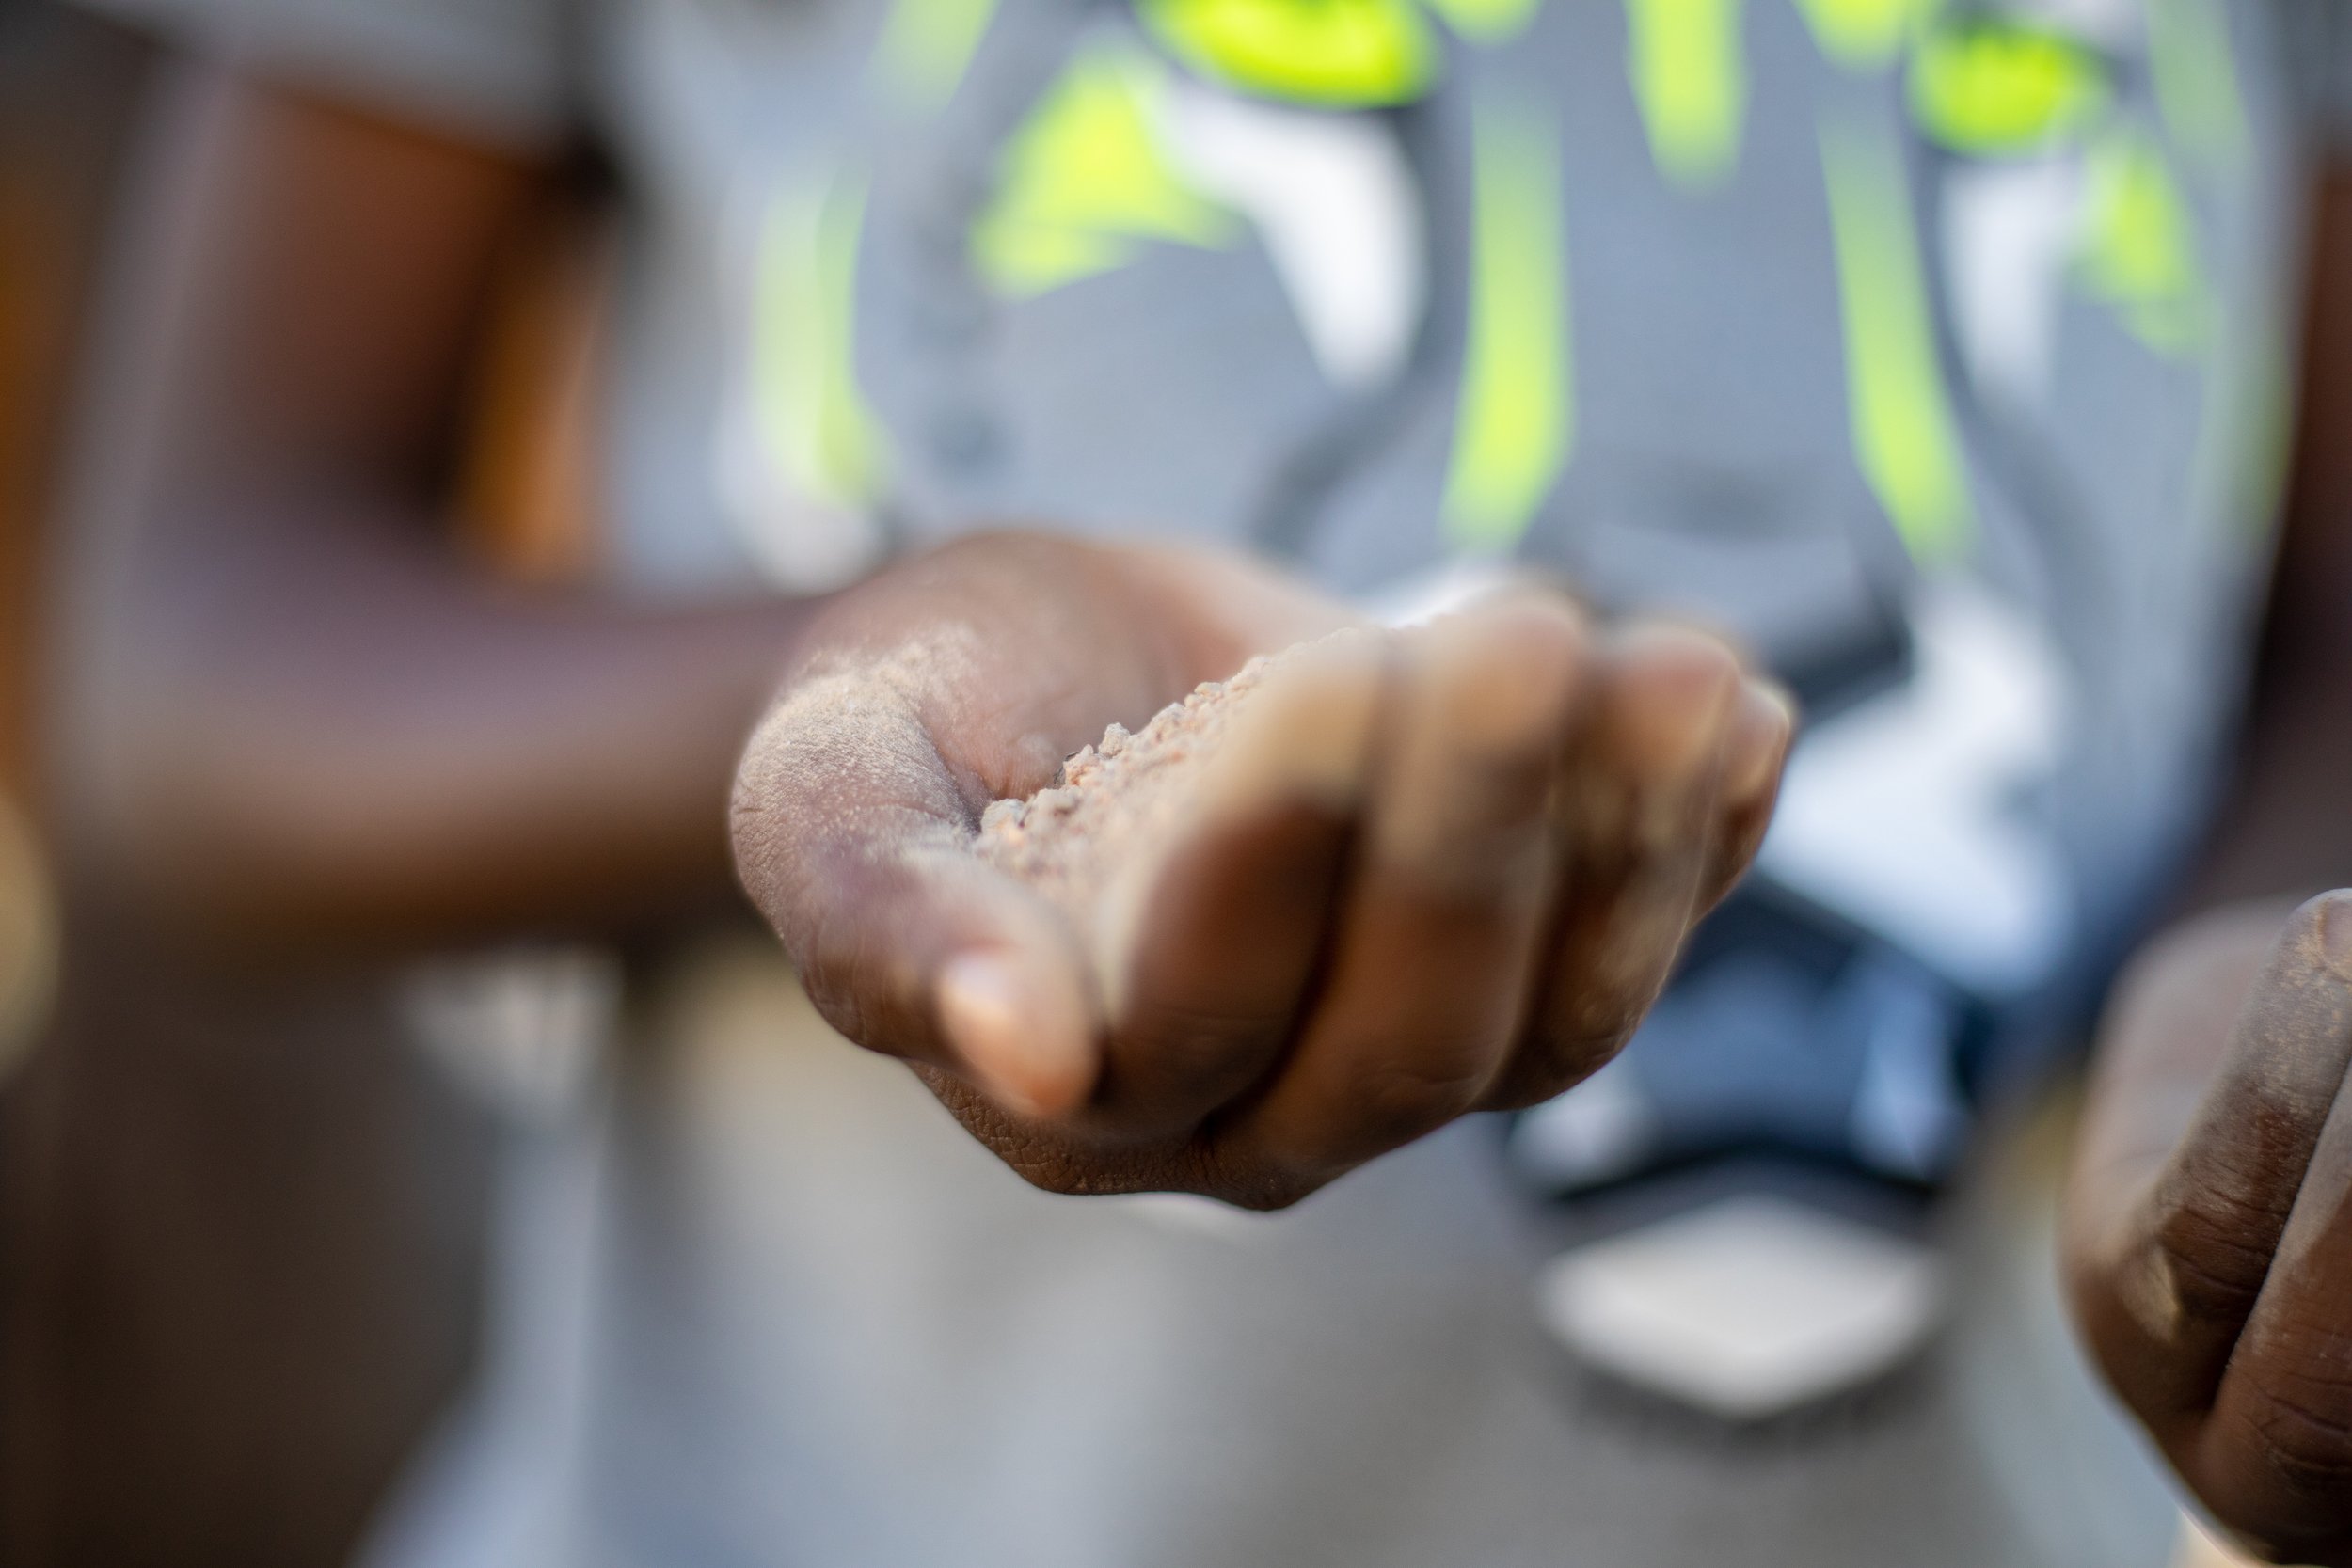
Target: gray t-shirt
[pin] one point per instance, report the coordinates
(1942, 358)
(1887, 345)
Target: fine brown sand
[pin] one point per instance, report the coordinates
(1124, 797)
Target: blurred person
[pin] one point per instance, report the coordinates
(560, 757)
(1935, 356)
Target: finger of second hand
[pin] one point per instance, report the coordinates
(2276, 1450)
(2165, 1275)
(1427, 976)
(1641, 791)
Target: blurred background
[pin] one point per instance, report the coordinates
(247, 1209)
(243, 1219)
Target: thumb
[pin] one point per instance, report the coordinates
(853, 839)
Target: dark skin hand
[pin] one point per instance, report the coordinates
(2208, 1244)
(1447, 872)
(2212, 1267)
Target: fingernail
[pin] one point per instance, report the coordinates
(1029, 1055)
(1768, 719)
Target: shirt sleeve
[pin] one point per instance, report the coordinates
(495, 69)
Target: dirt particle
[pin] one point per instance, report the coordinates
(1122, 797)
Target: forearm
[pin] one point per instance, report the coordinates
(342, 738)
(283, 710)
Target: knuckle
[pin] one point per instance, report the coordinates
(1401, 1099)
(2301, 1430)
(2217, 1258)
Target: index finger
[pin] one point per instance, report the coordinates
(1207, 948)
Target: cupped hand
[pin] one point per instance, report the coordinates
(2209, 1225)
(1438, 871)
